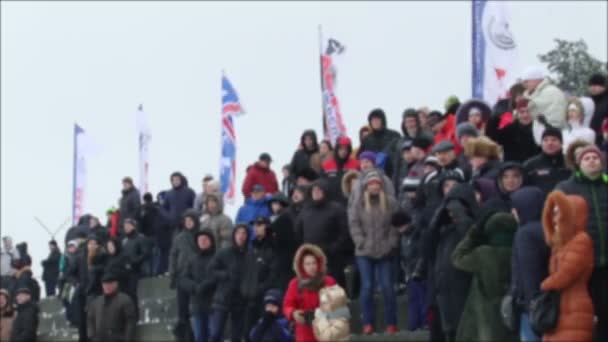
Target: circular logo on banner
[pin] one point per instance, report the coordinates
(500, 35)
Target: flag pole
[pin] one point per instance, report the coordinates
(322, 83)
(75, 153)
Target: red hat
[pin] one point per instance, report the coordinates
(522, 103)
(605, 125)
(343, 141)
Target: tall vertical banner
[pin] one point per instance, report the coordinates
(80, 173)
(495, 55)
(143, 136)
(231, 108)
(333, 124)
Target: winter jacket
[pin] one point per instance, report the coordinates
(286, 244)
(570, 267)
(178, 200)
(595, 194)
(130, 205)
(182, 250)
(101, 233)
(382, 141)
(7, 317)
(303, 291)
(111, 318)
(489, 263)
(530, 256)
(334, 171)
(370, 223)
(550, 101)
(448, 285)
(546, 171)
(155, 223)
(333, 325)
(516, 139)
(228, 267)
(25, 324)
(600, 114)
(324, 223)
(136, 249)
(448, 132)
(302, 158)
(25, 278)
(118, 265)
(50, 267)
(258, 175)
(271, 328)
(261, 270)
(251, 210)
(198, 279)
(220, 224)
(488, 170)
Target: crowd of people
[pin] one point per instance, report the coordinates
(483, 215)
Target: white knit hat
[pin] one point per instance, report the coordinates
(534, 72)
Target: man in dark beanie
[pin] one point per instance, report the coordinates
(273, 326)
(381, 140)
(599, 94)
(549, 167)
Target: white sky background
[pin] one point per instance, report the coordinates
(94, 63)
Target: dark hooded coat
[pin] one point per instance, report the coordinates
(530, 259)
(545, 171)
(324, 223)
(449, 286)
(228, 268)
(198, 280)
(178, 200)
(301, 159)
(383, 140)
(183, 248)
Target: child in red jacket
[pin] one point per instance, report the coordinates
(302, 296)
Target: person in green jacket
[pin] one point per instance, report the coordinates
(486, 253)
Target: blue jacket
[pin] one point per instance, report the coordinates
(530, 258)
(271, 330)
(250, 211)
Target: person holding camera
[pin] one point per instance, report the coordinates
(302, 296)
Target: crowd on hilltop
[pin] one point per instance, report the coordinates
(493, 220)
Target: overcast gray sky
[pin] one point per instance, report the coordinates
(94, 62)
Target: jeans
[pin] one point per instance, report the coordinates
(367, 269)
(50, 287)
(217, 322)
(160, 260)
(200, 326)
(416, 305)
(526, 334)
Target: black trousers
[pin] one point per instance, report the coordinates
(599, 295)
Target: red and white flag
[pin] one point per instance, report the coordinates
(333, 124)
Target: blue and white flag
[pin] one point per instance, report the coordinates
(495, 54)
(84, 149)
(231, 108)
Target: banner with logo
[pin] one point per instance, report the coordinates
(495, 54)
(333, 124)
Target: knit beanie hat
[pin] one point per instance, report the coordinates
(422, 141)
(373, 177)
(590, 149)
(466, 128)
(450, 102)
(368, 155)
(597, 79)
(552, 132)
(273, 296)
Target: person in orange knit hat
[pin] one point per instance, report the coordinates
(570, 267)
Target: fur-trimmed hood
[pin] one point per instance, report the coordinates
(347, 182)
(570, 153)
(298, 259)
(574, 214)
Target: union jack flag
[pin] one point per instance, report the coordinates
(231, 108)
